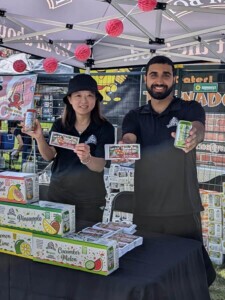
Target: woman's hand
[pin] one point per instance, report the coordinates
(83, 152)
(37, 133)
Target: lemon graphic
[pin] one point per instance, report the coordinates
(48, 228)
(25, 249)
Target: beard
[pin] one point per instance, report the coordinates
(160, 95)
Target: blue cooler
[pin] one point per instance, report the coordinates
(7, 141)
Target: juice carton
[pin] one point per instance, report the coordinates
(99, 258)
(34, 218)
(19, 187)
(16, 242)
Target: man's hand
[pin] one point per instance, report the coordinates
(195, 137)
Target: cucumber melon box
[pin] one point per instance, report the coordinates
(57, 219)
(19, 187)
(99, 258)
(16, 242)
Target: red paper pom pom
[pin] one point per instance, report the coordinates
(82, 52)
(19, 66)
(114, 27)
(147, 5)
(50, 64)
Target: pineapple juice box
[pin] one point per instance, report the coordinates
(16, 242)
(34, 218)
(19, 187)
(98, 257)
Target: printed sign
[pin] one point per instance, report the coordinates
(16, 96)
(63, 140)
(122, 151)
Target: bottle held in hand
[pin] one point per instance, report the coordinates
(29, 122)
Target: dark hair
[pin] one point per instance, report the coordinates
(160, 59)
(13, 124)
(69, 115)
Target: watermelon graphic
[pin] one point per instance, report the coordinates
(98, 265)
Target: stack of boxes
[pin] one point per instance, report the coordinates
(118, 179)
(213, 218)
(39, 230)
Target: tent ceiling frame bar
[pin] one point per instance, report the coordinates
(199, 38)
(131, 19)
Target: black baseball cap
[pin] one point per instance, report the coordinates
(82, 82)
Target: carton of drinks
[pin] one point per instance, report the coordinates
(57, 219)
(16, 242)
(19, 187)
(122, 151)
(63, 140)
(98, 258)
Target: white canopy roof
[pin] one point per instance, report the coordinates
(185, 30)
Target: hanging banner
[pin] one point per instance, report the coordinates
(120, 89)
(16, 96)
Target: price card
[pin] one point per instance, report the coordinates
(122, 151)
(63, 140)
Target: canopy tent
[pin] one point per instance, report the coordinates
(185, 30)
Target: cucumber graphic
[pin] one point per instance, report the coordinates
(90, 265)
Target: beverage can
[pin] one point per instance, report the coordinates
(29, 123)
(182, 132)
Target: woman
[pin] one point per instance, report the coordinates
(77, 176)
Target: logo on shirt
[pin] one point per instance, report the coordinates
(173, 122)
(91, 140)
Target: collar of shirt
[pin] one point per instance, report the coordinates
(173, 106)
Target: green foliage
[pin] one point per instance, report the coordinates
(217, 290)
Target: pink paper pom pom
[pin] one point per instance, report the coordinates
(50, 64)
(114, 27)
(147, 5)
(82, 52)
(19, 66)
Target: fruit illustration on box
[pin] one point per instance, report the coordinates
(23, 248)
(49, 228)
(56, 223)
(14, 193)
(94, 265)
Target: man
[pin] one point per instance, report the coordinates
(24, 141)
(167, 196)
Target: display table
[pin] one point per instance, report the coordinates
(163, 268)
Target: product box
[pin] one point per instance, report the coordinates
(63, 140)
(216, 229)
(215, 215)
(122, 151)
(216, 257)
(16, 242)
(99, 258)
(19, 187)
(215, 244)
(34, 218)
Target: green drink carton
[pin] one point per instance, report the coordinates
(57, 219)
(98, 257)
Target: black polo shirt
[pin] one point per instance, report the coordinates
(71, 181)
(165, 177)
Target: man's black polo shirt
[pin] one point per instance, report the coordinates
(165, 177)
